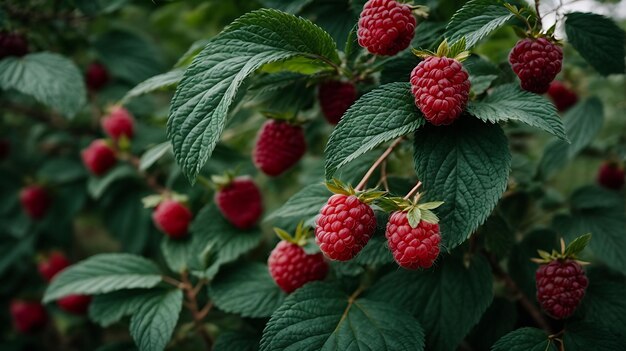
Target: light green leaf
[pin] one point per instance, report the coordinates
(476, 20)
(304, 205)
(162, 81)
(153, 154)
(525, 339)
(109, 308)
(578, 245)
(152, 325)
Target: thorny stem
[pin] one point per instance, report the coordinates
(198, 314)
(382, 158)
(412, 191)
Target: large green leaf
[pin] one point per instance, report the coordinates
(152, 325)
(321, 317)
(476, 20)
(239, 341)
(525, 339)
(583, 336)
(109, 308)
(50, 78)
(604, 303)
(210, 85)
(379, 116)
(465, 165)
(303, 205)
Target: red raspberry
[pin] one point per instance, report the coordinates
(536, 62)
(561, 285)
(119, 122)
(28, 316)
(12, 44)
(291, 267)
(279, 146)
(99, 157)
(386, 27)
(35, 201)
(5, 149)
(412, 248)
(55, 263)
(240, 202)
(344, 227)
(563, 97)
(335, 99)
(96, 76)
(441, 88)
(75, 304)
(611, 176)
(172, 218)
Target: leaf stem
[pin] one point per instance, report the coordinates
(377, 163)
(412, 191)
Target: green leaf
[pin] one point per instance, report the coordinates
(97, 186)
(584, 336)
(480, 84)
(304, 205)
(499, 319)
(525, 339)
(578, 245)
(153, 154)
(162, 81)
(152, 325)
(498, 234)
(247, 290)
(239, 341)
(209, 87)
(177, 253)
(604, 302)
(510, 102)
(109, 308)
(476, 20)
(129, 221)
(466, 165)
(50, 78)
(381, 115)
(289, 6)
(448, 300)
(414, 216)
(321, 317)
(102, 274)
(375, 253)
(598, 39)
(521, 268)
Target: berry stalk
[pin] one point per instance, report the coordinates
(377, 163)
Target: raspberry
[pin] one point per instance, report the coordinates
(386, 27)
(536, 62)
(55, 263)
(172, 218)
(118, 123)
(28, 316)
(240, 202)
(562, 97)
(75, 304)
(412, 248)
(35, 201)
(12, 44)
(441, 88)
(335, 99)
(561, 285)
(344, 227)
(99, 157)
(291, 267)
(5, 149)
(279, 146)
(96, 76)
(611, 176)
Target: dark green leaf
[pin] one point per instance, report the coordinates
(525, 339)
(304, 205)
(152, 325)
(604, 302)
(578, 245)
(97, 186)
(498, 320)
(476, 20)
(110, 308)
(153, 154)
(584, 336)
(237, 341)
(177, 253)
(159, 82)
(521, 268)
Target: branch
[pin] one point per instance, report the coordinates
(382, 157)
(198, 314)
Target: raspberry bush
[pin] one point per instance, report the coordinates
(312, 175)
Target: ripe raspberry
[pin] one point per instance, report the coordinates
(412, 248)
(536, 62)
(28, 316)
(75, 304)
(386, 27)
(335, 99)
(118, 123)
(96, 76)
(611, 176)
(344, 227)
(441, 88)
(240, 202)
(279, 146)
(291, 267)
(172, 218)
(99, 157)
(35, 201)
(54, 264)
(562, 97)
(561, 285)
(5, 149)
(12, 44)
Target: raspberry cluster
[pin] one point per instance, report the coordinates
(291, 267)
(536, 62)
(386, 27)
(35, 201)
(561, 285)
(240, 202)
(172, 218)
(99, 157)
(412, 248)
(562, 96)
(335, 99)
(279, 146)
(118, 123)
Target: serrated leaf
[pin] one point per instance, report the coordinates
(152, 325)
(466, 165)
(321, 317)
(583, 336)
(102, 274)
(210, 85)
(604, 302)
(162, 81)
(480, 84)
(375, 253)
(510, 102)
(578, 245)
(304, 204)
(379, 116)
(525, 339)
(109, 308)
(237, 340)
(50, 78)
(476, 20)
(598, 39)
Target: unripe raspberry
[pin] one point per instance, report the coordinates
(562, 96)
(28, 316)
(99, 157)
(386, 27)
(12, 44)
(344, 227)
(75, 304)
(96, 76)
(335, 99)
(172, 218)
(611, 176)
(441, 88)
(52, 265)
(412, 248)
(561, 285)
(536, 62)
(119, 122)
(240, 202)
(279, 146)
(35, 201)
(291, 267)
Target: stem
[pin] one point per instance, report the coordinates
(173, 281)
(151, 180)
(538, 14)
(198, 315)
(382, 157)
(412, 191)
